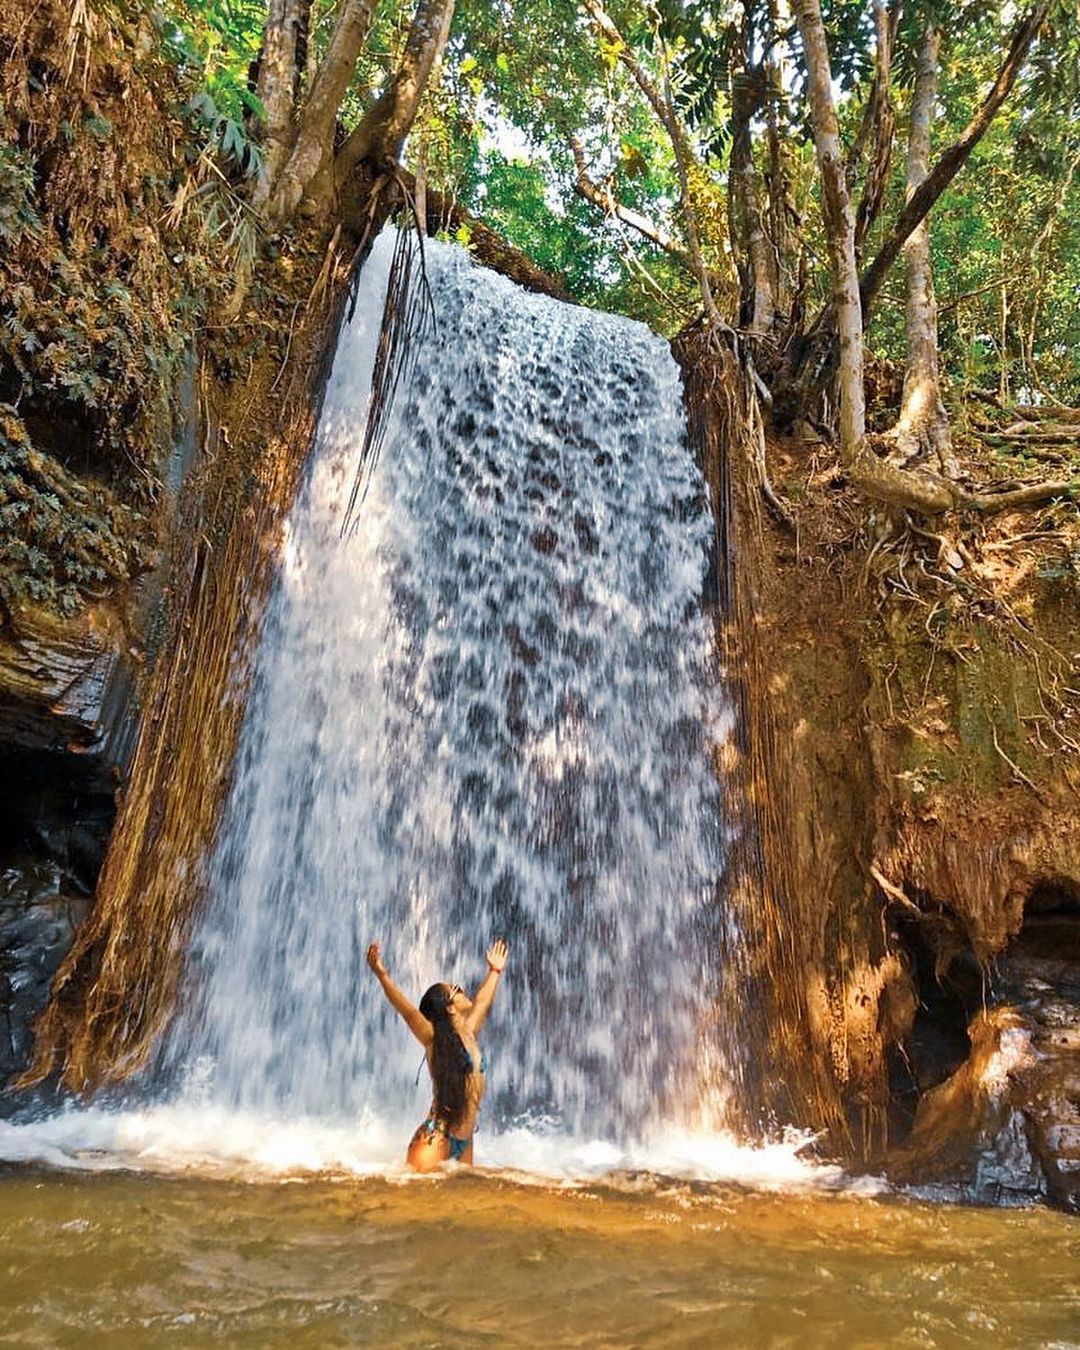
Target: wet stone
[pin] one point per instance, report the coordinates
(40, 909)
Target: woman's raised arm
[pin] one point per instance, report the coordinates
(414, 1019)
(496, 959)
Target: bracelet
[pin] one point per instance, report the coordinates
(496, 969)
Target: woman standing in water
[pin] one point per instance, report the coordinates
(446, 1024)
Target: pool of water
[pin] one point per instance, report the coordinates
(122, 1259)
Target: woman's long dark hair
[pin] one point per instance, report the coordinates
(450, 1061)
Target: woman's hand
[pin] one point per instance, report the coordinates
(374, 960)
(496, 958)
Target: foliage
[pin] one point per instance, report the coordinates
(132, 137)
(101, 286)
(543, 75)
(62, 540)
(216, 44)
(1006, 235)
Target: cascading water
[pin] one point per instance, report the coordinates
(489, 710)
(486, 712)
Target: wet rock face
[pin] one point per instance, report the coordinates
(66, 688)
(969, 1138)
(950, 991)
(1004, 1125)
(40, 909)
(56, 812)
(66, 730)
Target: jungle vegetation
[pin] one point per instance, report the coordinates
(818, 185)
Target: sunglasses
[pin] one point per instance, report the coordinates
(455, 989)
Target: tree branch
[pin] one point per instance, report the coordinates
(681, 148)
(953, 159)
(485, 244)
(382, 131)
(603, 198)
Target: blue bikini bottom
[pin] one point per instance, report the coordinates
(457, 1146)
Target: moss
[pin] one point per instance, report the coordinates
(995, 689)
(958, 700)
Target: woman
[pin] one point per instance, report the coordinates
(446, 1024)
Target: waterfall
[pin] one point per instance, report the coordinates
(488, 711)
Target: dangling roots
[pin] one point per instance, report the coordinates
(408, 318)
(766, 971)
(116, 989)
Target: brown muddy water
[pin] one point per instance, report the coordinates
(121, 1259)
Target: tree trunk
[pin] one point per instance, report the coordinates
(758, 303)
(900, 489)
(382, 131)
(923, 427)
(895, 487)
(279, 64)
(785, 240)
(839, 231)
(879, 126)
(953, 159)
(313, 147)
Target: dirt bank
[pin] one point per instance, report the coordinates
(909, 751)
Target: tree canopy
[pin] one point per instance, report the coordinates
(818, 182)
(537, 118)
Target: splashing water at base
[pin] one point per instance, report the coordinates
(188, 1136)
(227, 1143)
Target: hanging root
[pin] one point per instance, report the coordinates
(117, 987)
(757, 392)
(408, 318)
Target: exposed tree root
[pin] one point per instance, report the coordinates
(990, 503)
(933, 495)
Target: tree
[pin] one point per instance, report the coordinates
(302, 101)
(839, 235)
(923, 426)
(897, 488)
